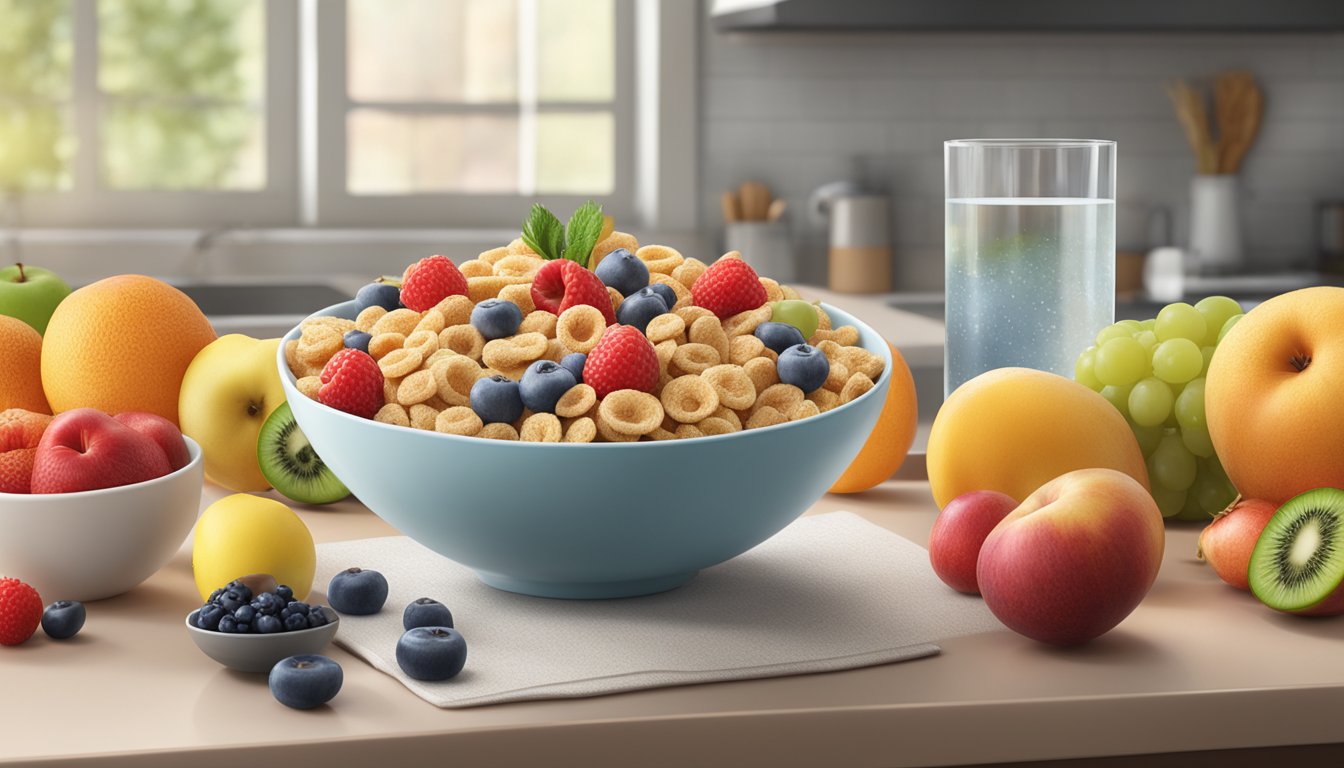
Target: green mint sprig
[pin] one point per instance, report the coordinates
(544, 233)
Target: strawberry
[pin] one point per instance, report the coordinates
(729, 286)
(561, 283)
(352, 382)
(431, 280)
(622, 359)
(20, 611)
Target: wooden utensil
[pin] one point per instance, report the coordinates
(755, 199)
(1194, 117)
(1239, 104)
(776, 210)
(732, 208)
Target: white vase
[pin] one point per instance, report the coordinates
(1215, 224)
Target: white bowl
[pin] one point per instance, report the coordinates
(258, 653)
(96, 544)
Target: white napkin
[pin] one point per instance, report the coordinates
(829, 592)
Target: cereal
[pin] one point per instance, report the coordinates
(514, 351)
(631, 412)
(417, 388)
(765, 417)
(782, 397)
(392, 413)
(576, 401)
(384, 343)
(292, 353)
(458, 420)
(456, 310)
(390, 390)
(762, 372)
(845, 335)
(728, 415)
(401, 321)
(665, 350)
(825, 399)
(689, 399)
(857, 385)
(823, 319)
(732, 384)
(804, 410)
(708, 330)
(463, 339)
(437, 403)
(687, 431)
(683, 293)
(664, 327)
(616, 298)
(606, 432)
(743, 348)
(731, 255)
(498, 431)
(517, 246)
(660, 259)
(540, 321)
(367, 316)
(427, 342)
(661, 434)
(612, 242)
(337, 324)
(581, 430)
(518, 265)
(580, 327)
(688, 271)
(436, 356)
(693, 358)
(481, 288)
(454, 378)
(475, 268)
(432, 320)
(317, 344)
(541, 428)
(690, 314)
(745, 322)
(309, 386)
(493, 255)
(772, 290)
(521, 295)
(861, 360)
(400, 362)
(835, 380)
(717, 426)
(423, 417)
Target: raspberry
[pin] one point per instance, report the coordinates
(20, 611)
(622, 359)
(352, 382)
(431, 280)
(729, 286)
(561, 284)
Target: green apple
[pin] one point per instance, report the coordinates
(31, 294)
(229, 389)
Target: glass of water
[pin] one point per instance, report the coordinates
(1030, 253)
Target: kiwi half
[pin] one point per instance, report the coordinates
(291, 465)
(1298, 561)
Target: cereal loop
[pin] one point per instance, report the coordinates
(390, 390)
(689, 399)
(694, 358)
(384, 343)
(708, 330)
(765, 417)
(515, 351)
(337, 324)
(804, 410)
(664, 327)
(456, 310)
(521, 296)
(580, 327)
(616, 298)
(432, 320)
(743, 348)
(516, 246)
(732, 384)
(745, 322)
(400, 362)
(862, 361)
(845, 335)
(824, 398)
(481, 288)
(581, 430)
(661, 433)
(631, 412)
(683, 293)
(541, 428)
(493, 255)
(858, 385)
(762, 372)
(772, 290)
(475, 268)
(782, 397)
(423, 417)
(367, 316)
(454, 379)
(610, 243)
(837, 377)
(401, 321)
(665, 350)
(687, 431)
(692, 313)
(458, 420)
(309, 386)
(576, 401)
(607, 433)
(660, 259)
(317, 344)
(716, 426)
(464, 340)
(518, 265)
(417, 388)
(394, 414)
(427, 342)
(689, 271)
(498, 431)
(539, 321)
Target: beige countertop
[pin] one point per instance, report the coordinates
(1198, 666)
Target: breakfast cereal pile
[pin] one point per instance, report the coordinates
(514, 346)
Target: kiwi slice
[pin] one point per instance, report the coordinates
(1298, 561)
(291, 465)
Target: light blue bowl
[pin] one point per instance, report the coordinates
(596, 520)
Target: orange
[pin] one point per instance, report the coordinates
(21, 367)
(890, 440)
(122, 344)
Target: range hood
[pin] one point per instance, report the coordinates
(1029, 15)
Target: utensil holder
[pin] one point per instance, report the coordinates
(766, 246)
(1215, 223)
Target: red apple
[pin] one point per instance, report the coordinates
(1074, 559)
(958, 533)
(85, 449)
(20, 432)
(1227, 542)
(162, 431)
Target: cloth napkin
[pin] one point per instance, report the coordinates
(829, 592)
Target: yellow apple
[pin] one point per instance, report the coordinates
(228, 391)
(242, 535)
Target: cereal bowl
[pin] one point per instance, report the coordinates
(590, 520)
(258, 653)
(91, 545)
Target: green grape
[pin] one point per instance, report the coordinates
(1215, 490)
(1083, 373)
(1147, 338)
(1179, 321)
(1171, 465)
(1148, 324)
(1120, 361)
(798, 313)
(1197, 441)
(1231, 321)
(1216, 310)
(1117, 396)
(1116, 331)
(1148, 437)
(1207, 354)
(1190, 405)
(1214, 469)
(1177, 361)
(1191, 510)
(1150, 402)
(1168, 501)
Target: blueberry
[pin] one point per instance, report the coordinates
(267, 624)
(297, 607)
(379, 294)
(432, 653)
(494, 399)
(214, 596)
(573, 362)
(357, 340)
(306, 681)
(63, 619)
(230, 601)
(357, 591)
(803, 366)
(665, 290)
(426, 612)
(245, 614)
(268, 603)
(243, 628)
(284, 593)
(623, 271)
(317, 617)
(641, 307)
(543, 384)
(209, 617)
(241, 591)
(227, 624)
(779, 336)
(496, 318)
(295, 622)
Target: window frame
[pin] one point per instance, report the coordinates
(88, 203)
(334, 205)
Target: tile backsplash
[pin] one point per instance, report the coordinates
(797, 110)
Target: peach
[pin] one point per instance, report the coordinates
(1272, 396)
(1074, 559)
(959, 532)
(1227, 542)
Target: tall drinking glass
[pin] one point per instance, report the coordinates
(1030, 253)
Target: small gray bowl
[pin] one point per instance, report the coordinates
(258, 653)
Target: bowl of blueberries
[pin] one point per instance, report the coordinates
(252, 623)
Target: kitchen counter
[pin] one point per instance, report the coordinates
(1199, 666)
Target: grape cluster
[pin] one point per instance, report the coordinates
(1153, 372)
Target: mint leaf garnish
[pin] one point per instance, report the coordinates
(544, 233)
(585, 226)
